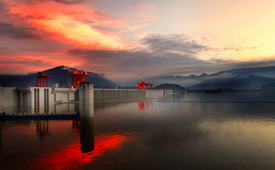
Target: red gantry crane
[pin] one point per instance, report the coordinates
(41, 75)
(151, 86)
(146, 85)
(142, 85)
(77, 77)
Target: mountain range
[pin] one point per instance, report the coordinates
(238, 79)
(212, 80)
(251, 82)
(61, 75)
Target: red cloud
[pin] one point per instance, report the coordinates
(36, 34)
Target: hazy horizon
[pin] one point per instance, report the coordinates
(256, 75)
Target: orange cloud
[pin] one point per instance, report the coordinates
(76, 23)
(55, 60)
(29, 63)
(63, 24)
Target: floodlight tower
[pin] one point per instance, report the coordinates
(146, 85)
(151, 86)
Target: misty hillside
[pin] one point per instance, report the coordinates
(61, 75)
(219, 77)
(251, 82)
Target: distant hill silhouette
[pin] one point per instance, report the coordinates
(209, 78)
(251, 82)
(61, 75)
(170, 86)
(269, 86)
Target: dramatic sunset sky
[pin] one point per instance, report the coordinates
(131, 39)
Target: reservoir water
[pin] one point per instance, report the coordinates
(181, 131)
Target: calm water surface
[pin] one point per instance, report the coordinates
(189, 131)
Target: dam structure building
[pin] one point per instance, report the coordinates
(49, 100)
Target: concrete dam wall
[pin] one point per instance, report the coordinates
(104, 94)
(52, 100)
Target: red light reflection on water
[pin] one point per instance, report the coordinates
(76, 126)
(146, 104)
(71, 156)
(141, 105)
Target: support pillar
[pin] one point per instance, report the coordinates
(86, 99)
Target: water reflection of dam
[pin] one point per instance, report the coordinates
(87, 134)
(59, 108)
(86, 128)
(0, 137)
(45, 128)
(143, 105)
(42, 129)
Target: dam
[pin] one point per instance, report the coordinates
(55, 100)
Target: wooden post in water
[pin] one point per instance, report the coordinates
(86, 99)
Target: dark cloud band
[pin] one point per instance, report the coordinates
(17, 32)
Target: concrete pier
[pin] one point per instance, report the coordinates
(86, 99)
(87, 134)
